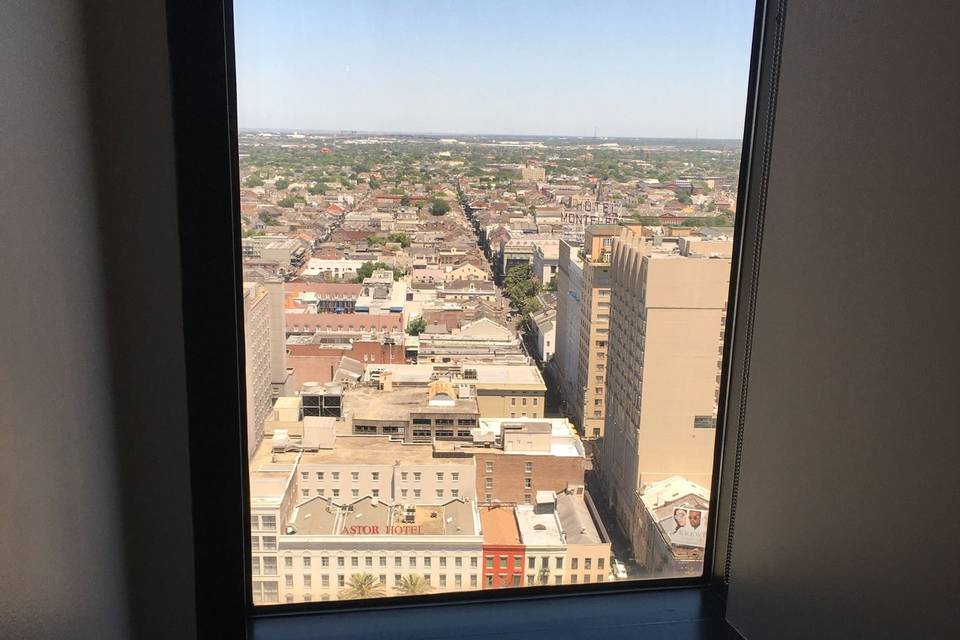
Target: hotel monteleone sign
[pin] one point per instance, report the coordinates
(588, 213)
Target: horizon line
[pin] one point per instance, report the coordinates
(461, 133)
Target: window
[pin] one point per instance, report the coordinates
(292, 175)
(574, 563)
(428, 561)
(269, 566)
(586, 564)
(489, 562)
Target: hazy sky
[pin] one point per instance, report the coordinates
(628, 68)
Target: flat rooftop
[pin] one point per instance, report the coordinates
(370, 403)
(577, 521)
(376, 450)
(541, 529)
(499, 526)
(487, 374)
(369, 516)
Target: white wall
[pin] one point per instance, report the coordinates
(93, 451)
(61, 526)
(849, 510)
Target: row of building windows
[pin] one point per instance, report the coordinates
(404, 493)
(527, 467)
(443, 580)
(375, 475)
(268, 563)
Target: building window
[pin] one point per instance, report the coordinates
(269, 566)
(473, 581)
(527, 483)
(368, 561)
(574, 563)
(416, 476)
(458, 562)
(336, 493)
(354, 561)
(304, 475)
(416, 493)
(268, 523)
(439, 493)
(488, 562)
(488, 581)
(288, 562)
(319, 475)
(428, 561)
(341, 581)
(340, 561)
(488, 483)
(599, 563)
(528, 467)
(587, 564)
(489, 467)
(473, 562)
(455, 493)
(403, 475)
(269, 543)
(335, 475)
(527, 498)
(504, 562)
(354, 475)
(531, 563)
(375, 475)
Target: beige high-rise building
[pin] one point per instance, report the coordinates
(265, 353)
(588, 403)
(566, 360)
(666, 339)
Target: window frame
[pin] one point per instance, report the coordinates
(202, 76)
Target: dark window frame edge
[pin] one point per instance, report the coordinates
(204, 110)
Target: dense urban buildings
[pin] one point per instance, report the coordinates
(479, 364)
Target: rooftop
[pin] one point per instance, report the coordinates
(578, 523)
(369, 516)
(538, 527)
(499, 525)
(371, 403)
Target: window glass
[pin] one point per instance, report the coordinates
(435, 287)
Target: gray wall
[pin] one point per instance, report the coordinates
(849, 519)
(95, 538)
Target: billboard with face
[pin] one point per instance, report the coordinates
(687, 527)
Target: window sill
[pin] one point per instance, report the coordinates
(677, 614)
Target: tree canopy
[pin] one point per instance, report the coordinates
(413, 585)
(439, 206)
(416, 326)
(367, 268)
(361, 586)
(281, 183)
(522, 288)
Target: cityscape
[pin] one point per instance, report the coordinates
(480, 362)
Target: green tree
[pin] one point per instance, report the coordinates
(253, 180)
(416, 326)
(413, 585)
(439, 206)
(684, 197)
(405, 201)
(402, 238)
(374, 184)
(287, 202)
(367, 268)
(281, 184)
(318, 189)
(267, 218)
(552, 285)
(361, 586)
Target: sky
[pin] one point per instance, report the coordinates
(631, 68)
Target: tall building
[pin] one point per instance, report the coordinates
(666, 338)
(566, 358)
(589, 399)
(265, 353)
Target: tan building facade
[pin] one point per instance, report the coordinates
(666, 338)
(589, 403)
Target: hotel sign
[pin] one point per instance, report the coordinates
(588, 213)
(377, 530)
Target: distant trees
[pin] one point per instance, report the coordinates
(684, 197)
(367, 268)
(318, 189)
(361, 586)
(374, 184)
(405, 201)
(287, 202)
(253, 180)
(522, 288)
(268, 218)
(402, 238)
(281, 184)
(416, 326)
(439, 206)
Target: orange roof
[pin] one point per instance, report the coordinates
(499, 526)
